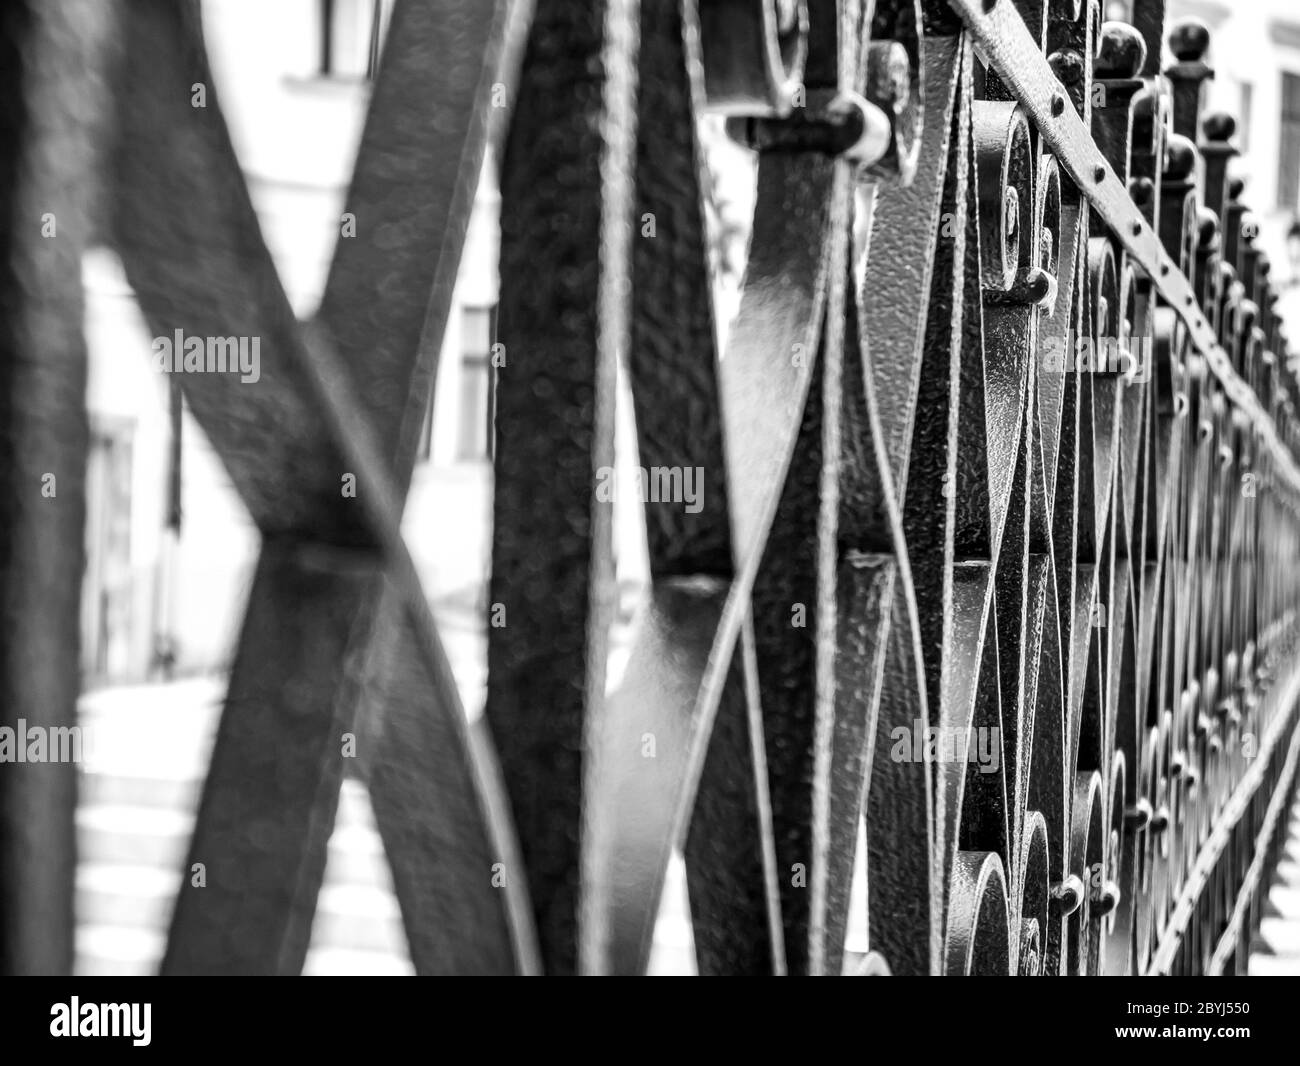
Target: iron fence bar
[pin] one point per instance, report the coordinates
(562, 314)
(1211, 851)
(1274, 822)
(48, 121)
(203, 266)
(435, 780)
(1069, 562)
(672, 371)
(1020, 63)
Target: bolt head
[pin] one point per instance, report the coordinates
(876, 128)
(1069, 893)
(1106, 899)
(1139, 815)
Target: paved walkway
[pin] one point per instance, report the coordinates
(140, 785)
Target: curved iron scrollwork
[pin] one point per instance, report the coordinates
(996, 552)
(1017, 490)
(1019, 480)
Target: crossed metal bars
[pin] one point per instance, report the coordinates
(914, 519)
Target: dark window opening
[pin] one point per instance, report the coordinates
(351, 37)
(1245, 113)
(1288, 175)
(478, 384)
(477, 411)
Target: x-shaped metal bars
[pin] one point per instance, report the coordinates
(338, 637)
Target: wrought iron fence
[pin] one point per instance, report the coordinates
(997, 548)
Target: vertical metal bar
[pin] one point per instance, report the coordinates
(51, 87)
(566, 213)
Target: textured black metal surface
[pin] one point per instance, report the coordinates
(546, 665)
(1029, 542)
(673, 374)
(429, 800)
(389, 293)
(673, 362)
(272, 789)
(1024, 625)
(47, 125)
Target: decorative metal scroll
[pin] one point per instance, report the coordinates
(997, 548)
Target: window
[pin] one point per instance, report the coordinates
(1288, 175)
(474, 418)
(107, 592)
(477, 383)
(424, 450)
(351, 33)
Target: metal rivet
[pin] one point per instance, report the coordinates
(1106, 899)
(1069, 892)
(1139, 815)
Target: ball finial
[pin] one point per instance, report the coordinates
(1207, 228)
(1123, 51)
(1189, 40)
(1180, 158)
(1219, 126)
